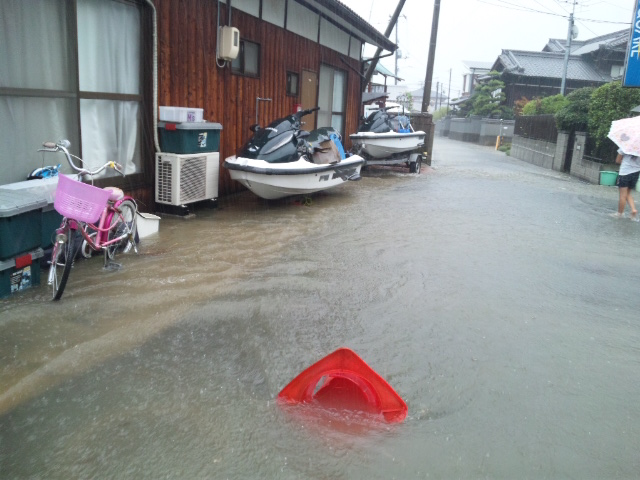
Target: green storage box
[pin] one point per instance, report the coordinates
(189, 137)
(20, 273)
(20, 222)
(608, 178)
(51, 220)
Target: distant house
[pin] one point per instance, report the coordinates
(476, 70)
(380, 71)
(400, 94)
(539, 74)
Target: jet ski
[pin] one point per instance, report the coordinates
(281, 159)
(384, 135)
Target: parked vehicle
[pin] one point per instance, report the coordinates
(104, 218)
(281, 159)
(387, 139)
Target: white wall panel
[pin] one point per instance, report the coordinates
(355, 49)
(334, 38)
(273, 11)
(302, 21)
(252, 7)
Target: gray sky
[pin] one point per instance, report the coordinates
(478, 30)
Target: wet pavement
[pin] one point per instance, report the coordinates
(499, 299)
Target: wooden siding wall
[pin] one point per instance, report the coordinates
(188, 74)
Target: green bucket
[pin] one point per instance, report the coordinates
(608, 178)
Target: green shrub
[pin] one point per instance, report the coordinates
(544, 106)
(532, 107)
(574, 115)
(440, 113)
(608, 103)
(506, 148)
(551, 105)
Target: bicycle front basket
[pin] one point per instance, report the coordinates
(79, 201)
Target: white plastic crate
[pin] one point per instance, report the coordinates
(147, 224)
(181, 114)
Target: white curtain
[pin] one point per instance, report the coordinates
(331, 98)
(35, 57)
(325, 87)
(109, 61)
(34, 54)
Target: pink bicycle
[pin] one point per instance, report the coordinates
(103, 217)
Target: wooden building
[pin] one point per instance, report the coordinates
(96, 71)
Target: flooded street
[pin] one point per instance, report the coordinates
(499, 299)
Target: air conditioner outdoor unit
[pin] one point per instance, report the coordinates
(182, 179)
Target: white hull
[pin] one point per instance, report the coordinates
(382, 145)
(278, 180)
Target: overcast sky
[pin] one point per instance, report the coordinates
(478, 30)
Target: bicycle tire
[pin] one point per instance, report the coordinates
(123, 221)
(62, 258)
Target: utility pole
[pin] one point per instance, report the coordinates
(567, 50)
(426, 96)
(374, 61)
(449, 94)
(397, 54)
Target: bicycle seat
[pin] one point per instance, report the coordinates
(116, 193)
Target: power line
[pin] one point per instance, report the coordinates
(521, 8)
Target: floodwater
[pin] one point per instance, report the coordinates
(499, 299)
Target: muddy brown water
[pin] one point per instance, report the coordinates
(499, 299)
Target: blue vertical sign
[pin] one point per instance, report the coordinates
(632, 62)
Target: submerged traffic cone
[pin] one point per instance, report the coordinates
(343, 380)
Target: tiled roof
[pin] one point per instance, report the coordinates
(349, 19)
(615, 41)
(473, 65)
(548, 64)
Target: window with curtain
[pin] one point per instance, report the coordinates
(70, 76)
(248, 60)
(332, 84)
(109, 53)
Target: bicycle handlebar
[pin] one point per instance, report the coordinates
(63, 145)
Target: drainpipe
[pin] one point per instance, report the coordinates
(155, 77)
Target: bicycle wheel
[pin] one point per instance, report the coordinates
(62, 256)
(123, 224)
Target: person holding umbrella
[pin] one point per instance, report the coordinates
(626, 134)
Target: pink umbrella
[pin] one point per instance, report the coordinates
(626, 134)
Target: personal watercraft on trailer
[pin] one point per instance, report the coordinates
(386, 136)
(281, 159)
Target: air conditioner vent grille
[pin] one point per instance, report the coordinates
(186, 178)
(192, 174)
(163, 180)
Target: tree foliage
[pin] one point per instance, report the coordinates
(545, 106)
(574, 115)
(440, 113)
(608, 103)
(488, 99)
(518, 105)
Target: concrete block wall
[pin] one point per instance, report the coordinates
(531, 150)
(562, 143)
(465, 129)
(586, 169)
(491, 128)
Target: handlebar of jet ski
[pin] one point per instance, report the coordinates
(302, 113)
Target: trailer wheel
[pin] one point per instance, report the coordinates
(416, 166)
